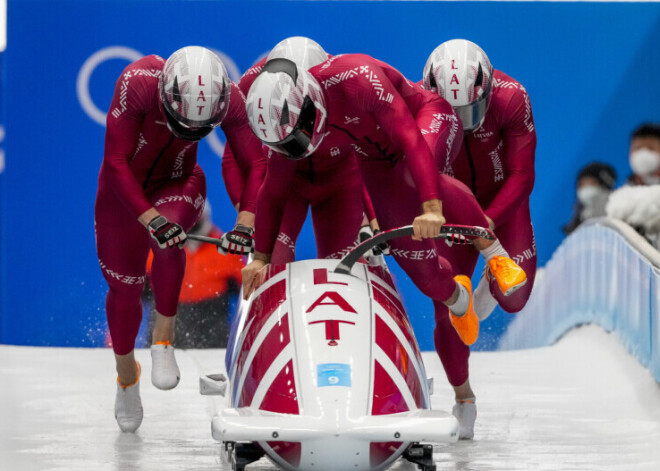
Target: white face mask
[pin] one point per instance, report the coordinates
(644, 162)
(588, 194)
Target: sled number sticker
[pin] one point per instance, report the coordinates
(333, 374)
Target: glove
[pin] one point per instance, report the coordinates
(238, 241)
(458, 239)
(380, 249)
(166, 233)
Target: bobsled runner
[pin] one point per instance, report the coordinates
(324, 371)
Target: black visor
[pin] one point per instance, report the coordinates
(296, 144)
(184, 132)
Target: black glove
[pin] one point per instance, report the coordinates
(166, 233)
(238, 241)
(380, 249)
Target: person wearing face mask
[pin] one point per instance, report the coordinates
(594, 183)
(637, 203)
(644, 155)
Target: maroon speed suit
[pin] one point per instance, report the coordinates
(497, 163)
(146, 166)
(317, 182)
(392, 125)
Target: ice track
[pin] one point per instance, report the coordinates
(583, 404)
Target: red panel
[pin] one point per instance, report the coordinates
(288, 451)
(395, 309)
(379, 452)
(388, 342)
(281, 396)
(278, 338)
(260, 311)
(383, 274)
(266, 274)
(387, 398)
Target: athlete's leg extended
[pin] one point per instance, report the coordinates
(122, 245)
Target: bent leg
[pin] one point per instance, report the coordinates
(182, 202)
(517, 238)
(397, 203)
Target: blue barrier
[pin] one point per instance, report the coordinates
(606, 274)
(577, 60)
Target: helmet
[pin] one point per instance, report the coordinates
(305, 52)
(286, 109)
(460, 71)
(194, 92)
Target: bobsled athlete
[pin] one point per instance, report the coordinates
(496, 161)
(310, 186)
(380, 116)
(151, 191)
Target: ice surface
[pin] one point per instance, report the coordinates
(583, 404)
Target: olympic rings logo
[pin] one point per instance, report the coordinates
(131, 55)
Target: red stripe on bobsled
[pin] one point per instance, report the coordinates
(281, 396)
(387, 399)
(276, 340)
(395, 309)
(396, 352)
(266, 274)
(260, 311)
(382, 273)
(379, 452)
(288, 451)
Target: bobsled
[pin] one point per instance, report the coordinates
(324, 371)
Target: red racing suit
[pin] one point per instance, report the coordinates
(380, 115)
(144, 166)
(326, 183)
(497, 163)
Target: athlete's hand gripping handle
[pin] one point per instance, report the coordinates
(166, 233)
(366, 233)
(428, 224)
(447, 231)
(238, 241)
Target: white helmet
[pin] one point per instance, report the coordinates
(305, 52)
(286, 109)
(460, 71)
(194, 92)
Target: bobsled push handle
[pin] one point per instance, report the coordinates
(448, 231)
(208, 240)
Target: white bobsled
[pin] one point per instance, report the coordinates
(325, 372)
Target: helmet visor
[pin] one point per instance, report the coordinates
(296, 144)
(472, 116)
(183, 131)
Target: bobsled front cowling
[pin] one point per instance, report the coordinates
(326, 372)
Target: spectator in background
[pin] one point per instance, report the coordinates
(210, 285)
(645, 155)
(638, 202)
(593, 185)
